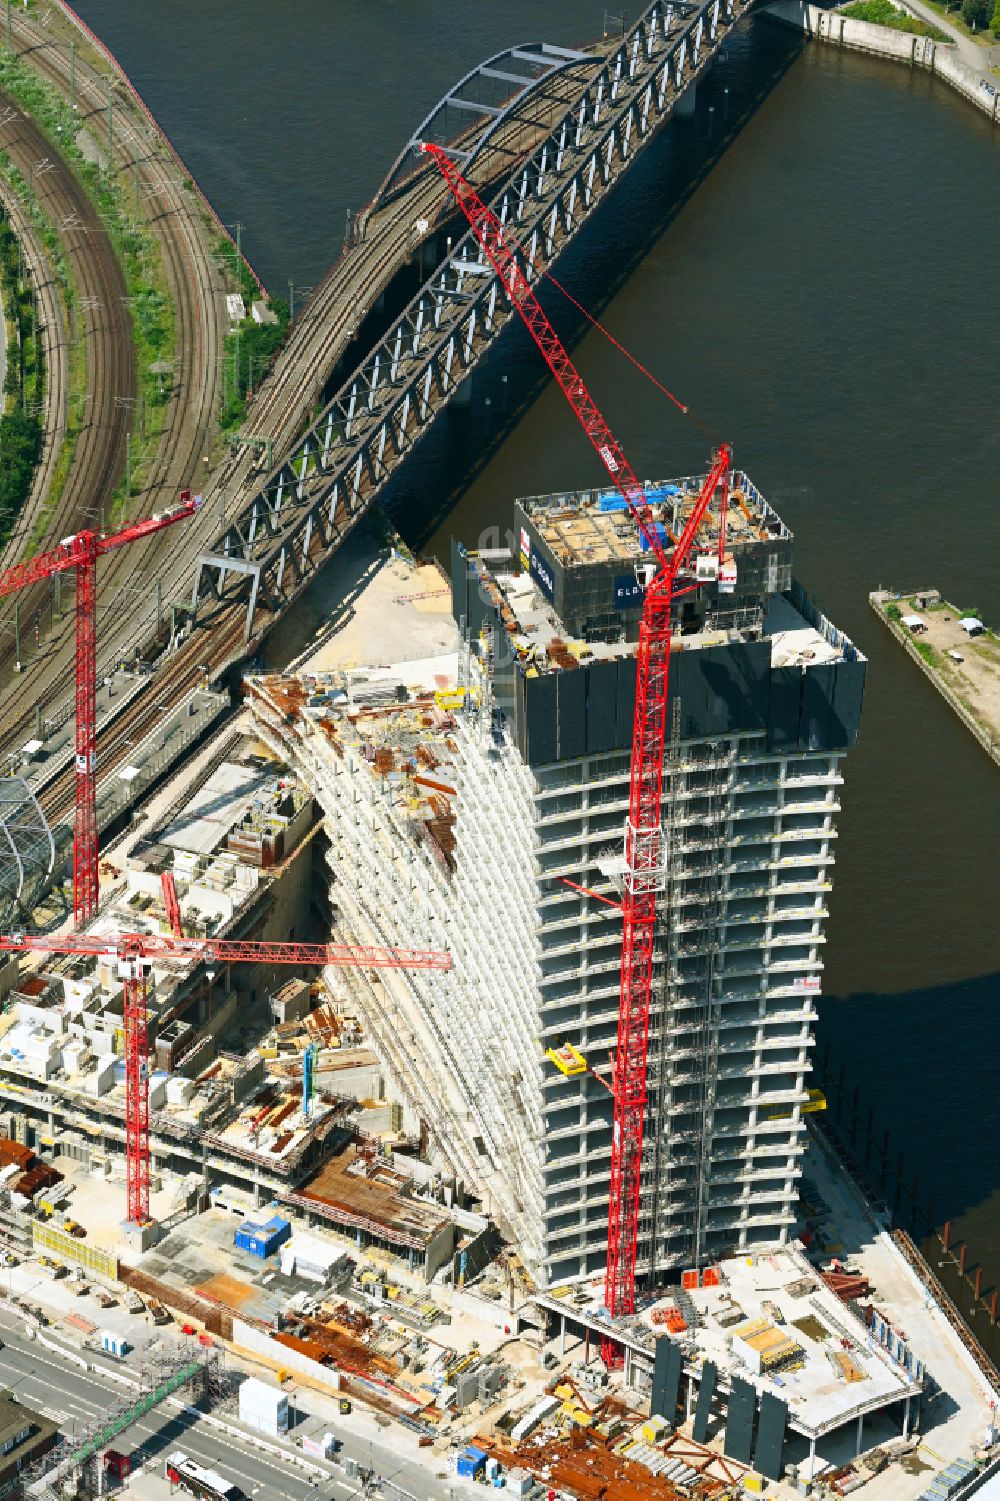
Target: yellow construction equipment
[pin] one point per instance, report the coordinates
(454, 698)
(567, 1059)
(816, 1101)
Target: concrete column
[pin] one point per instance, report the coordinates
(860, 1437)
(685, 106)
(906, 1418)
(562, 1334)
(812, 1456)
(689, 1399)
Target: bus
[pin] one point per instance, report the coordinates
(207, 1484)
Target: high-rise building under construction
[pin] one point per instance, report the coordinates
(464, 792)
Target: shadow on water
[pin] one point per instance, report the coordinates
(944, 1135)
(595, 267)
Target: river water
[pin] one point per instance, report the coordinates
(811, 265)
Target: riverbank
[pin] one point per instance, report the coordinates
(966, 672)
(915, 51)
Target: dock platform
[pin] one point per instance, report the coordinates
(964, 668)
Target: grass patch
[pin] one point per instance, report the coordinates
(893, 612)
(962, 12)
(928, 653)
(883, 13)
(25, 382)
(150, 307)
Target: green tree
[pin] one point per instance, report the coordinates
(977, 13)
(20, 442)
(995, 23)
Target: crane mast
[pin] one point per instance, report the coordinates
(644, 865)
(134, 953)
(79, 554)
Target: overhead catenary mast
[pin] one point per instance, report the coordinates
(644, 875)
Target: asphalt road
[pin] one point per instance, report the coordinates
(76, 1399)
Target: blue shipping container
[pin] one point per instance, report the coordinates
(262, 1240)
(612, 502)
(662, 536)
(471, 1461)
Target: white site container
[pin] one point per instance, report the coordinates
(307, 1256)
(263, 1408)
(179, 1090)
(41, 1047)
(114, 1344)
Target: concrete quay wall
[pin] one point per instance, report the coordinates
(899, 46)
(878, 599)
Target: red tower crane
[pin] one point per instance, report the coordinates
(134, 953)
(171, 903)
(80, 554)
(644, 864)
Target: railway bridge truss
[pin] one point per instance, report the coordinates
(600, 108)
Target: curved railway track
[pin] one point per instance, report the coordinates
(282, 404)
(102, 319)
(196, 290)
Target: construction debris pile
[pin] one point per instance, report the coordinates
(581, 1437)
(403, 738)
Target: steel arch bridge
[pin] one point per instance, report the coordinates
(467, 120)
(604, 108)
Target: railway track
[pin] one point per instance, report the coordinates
(176, 680)
(278, 413)
(103, 323)
(196, 290)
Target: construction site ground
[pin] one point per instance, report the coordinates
(98, 1203)
(372, 606)
(956, 1415)
(60, 1301)
(198, 1256)
(976, 679)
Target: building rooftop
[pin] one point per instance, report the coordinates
(398, 724)
(543, 643)
(585, 527)
(359, 1187)
(22, 1432)
(221, 802)
(772, 1321)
